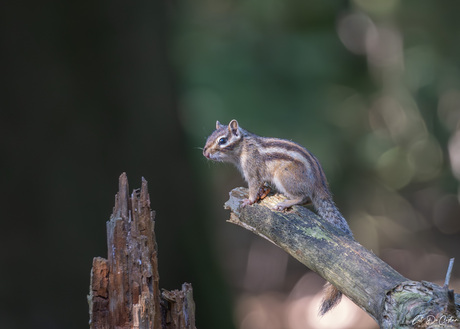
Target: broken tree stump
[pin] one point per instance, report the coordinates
(124, 291)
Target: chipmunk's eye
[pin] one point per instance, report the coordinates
(222, 141)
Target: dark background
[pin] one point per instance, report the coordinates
(91, 89)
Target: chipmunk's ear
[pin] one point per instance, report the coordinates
(233, 127)
(219, 125)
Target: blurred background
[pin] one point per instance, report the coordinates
(94, 88)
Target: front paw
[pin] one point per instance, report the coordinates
(247, 202)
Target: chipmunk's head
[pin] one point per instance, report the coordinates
(224, 143)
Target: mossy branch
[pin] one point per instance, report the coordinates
(391, 299)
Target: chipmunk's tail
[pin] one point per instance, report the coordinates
(332, 297)
(327, 209)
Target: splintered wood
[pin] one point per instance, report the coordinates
(124, 291)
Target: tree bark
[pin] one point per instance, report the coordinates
(391, 299)
(125, 291)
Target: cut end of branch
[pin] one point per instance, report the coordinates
(413, 304)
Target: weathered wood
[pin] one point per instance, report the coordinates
(358, 273)
(180, 308)
(414, 304)
(98, 297)
(125, 291)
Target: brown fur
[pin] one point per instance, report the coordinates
(331, 298)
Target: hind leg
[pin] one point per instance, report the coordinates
(290, 202)
(287, 182)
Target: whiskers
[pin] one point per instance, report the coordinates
(209, 160)
(203, 158)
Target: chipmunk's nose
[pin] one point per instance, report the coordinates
(205, 153)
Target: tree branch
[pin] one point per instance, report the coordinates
(359, 274)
